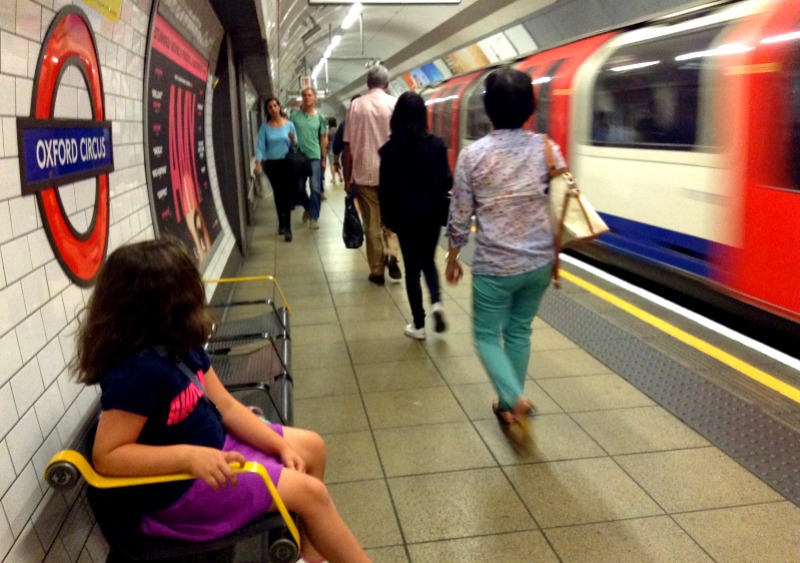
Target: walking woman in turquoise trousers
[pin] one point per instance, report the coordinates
(502, 180)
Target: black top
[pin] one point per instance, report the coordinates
(176, 410)
(415, 182)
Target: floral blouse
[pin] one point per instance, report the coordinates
(502, 180)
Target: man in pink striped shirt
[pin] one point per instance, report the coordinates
(366, 131)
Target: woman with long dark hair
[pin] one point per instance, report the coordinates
(415, 181)
(276, 138)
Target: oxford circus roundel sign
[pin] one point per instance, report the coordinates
(54, 152)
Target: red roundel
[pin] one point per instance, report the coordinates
(70, 41)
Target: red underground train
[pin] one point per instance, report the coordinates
(684, 133)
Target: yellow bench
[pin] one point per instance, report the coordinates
(65, 468)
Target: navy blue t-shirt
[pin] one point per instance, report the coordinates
(177, 412)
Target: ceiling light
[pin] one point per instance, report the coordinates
(352, 15)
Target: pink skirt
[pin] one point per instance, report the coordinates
(203, 514)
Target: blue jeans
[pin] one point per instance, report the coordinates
(503, 308)
(311, 204)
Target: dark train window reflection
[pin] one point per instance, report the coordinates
(478, 124)
(647, 95)
(543, 96)
(794, 122)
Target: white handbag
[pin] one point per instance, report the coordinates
(573, 218)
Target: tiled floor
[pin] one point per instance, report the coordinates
(421, 471)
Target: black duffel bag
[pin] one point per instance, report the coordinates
(352, 231)
(299, 163)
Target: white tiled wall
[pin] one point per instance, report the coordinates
(41, 408)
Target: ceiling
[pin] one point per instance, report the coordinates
(403, 36)
(407, 36)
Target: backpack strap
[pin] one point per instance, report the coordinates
(161, 350)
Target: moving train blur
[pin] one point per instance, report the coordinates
(684, 133)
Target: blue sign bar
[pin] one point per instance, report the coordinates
(54, 152)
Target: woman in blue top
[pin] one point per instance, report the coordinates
(275, 139)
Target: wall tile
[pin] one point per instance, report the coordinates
(76, 530)
(57, 280)
(7, 473)
(48, 517)
(9, 172)
(8, 104)
(24, 87)
(23, 441)
(6, 537)
(16, 259)
(12, 359)
(68, 427)
(29, 20)
(12, 308)
(50, 447)
(85, 193)
(73, 300)
(39, 247)
(96, 545)
(34, 47)
(54, 317)
(49, 409)
(31, 336)
(27, 548)
(10, 146)
(69, 389)
(5, 222)
(66, 103)
(34, 290)
(27, 386)
(22, 498)
(57, 553)
(14, 54)
(8, 410)
(23, 215)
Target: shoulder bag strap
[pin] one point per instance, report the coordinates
(161, 350)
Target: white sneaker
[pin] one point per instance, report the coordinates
(415, 333)
(440, 325)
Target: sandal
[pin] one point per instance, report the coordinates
(506, 418)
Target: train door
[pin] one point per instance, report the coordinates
(766, 265)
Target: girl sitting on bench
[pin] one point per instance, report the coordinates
(165, 411)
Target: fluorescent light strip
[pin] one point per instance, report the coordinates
(776, 355)
(634, 66)
(784, 37)
(729, 49)
(352, 15)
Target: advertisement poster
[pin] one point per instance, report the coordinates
(184, 205)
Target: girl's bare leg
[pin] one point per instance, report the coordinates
(311, 448)
(323, 527)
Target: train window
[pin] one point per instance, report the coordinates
(478, 124)
(778, 148)
(442, 110)
(543, 97)
(647, 94)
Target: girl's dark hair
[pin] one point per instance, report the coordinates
(410, 117)
(509, 98)
(280, 107)
(331, 122)
(148, 293)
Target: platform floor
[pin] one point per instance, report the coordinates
(421, 471)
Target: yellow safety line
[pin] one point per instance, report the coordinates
(255, 278)
(102, 482)
(743, 367)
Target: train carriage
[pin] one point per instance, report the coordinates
(684, 132)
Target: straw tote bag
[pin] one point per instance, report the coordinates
(573, 218)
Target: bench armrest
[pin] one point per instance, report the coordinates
(255, 278)
(63, 469)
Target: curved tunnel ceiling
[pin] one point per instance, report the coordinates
(407, 36)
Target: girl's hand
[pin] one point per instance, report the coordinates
(292, 460)
(212, 466)
(454, 272)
